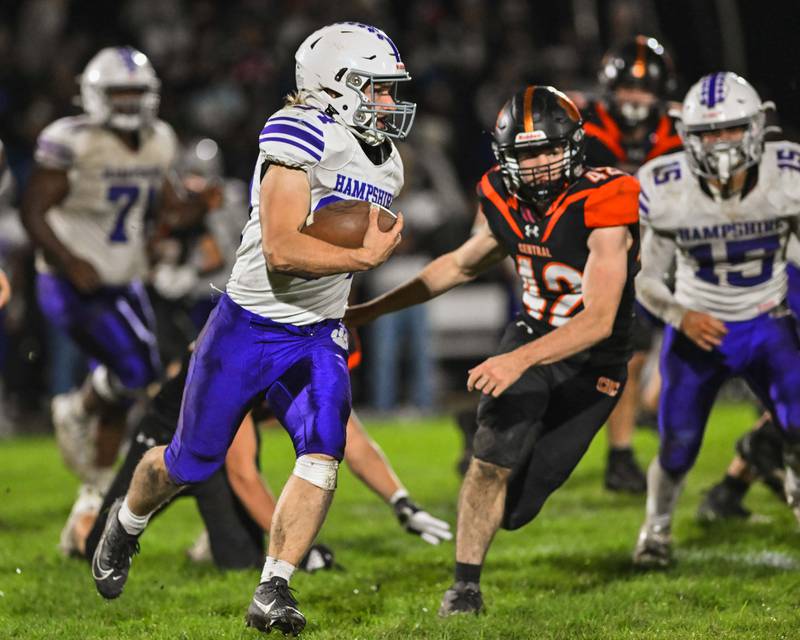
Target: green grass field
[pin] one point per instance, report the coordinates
(567, 575)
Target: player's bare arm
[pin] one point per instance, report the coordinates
(246, 479)
(603, 283)
(462, 265)
(48, 188)
(284, 205)
(703, 329)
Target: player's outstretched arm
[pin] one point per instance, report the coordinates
(603, 282)
(473, 257)
(703, 329)
(369, 464)
(47, 188)
(284, 204)
(246, 480)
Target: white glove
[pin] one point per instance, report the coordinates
(174, 281)
(419, 522)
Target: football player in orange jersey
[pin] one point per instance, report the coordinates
(626, 127)
(573, 232)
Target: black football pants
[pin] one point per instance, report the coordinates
(541, 426)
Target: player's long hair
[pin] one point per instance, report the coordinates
(295, 98)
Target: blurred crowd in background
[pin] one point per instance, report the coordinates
(225, 67)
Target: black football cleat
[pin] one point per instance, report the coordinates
(112, 557)
(274, 607)
(462, 597)
(722, 503)
(623, 473)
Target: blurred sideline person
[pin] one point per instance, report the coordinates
(98, 179)
(759, 453)
(573, 234)
(277, 332)
(624, 129)
(235, 503)
(725, 208)
(5, 188)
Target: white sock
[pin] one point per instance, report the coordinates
(269, 566)
(132, 523)
(662, 495)
(283, 569)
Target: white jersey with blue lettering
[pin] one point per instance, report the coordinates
(730, 253)
(304, 137)
(111, 189)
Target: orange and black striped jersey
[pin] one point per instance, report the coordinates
(551, 251)
(605, 145)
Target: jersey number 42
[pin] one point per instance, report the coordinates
(561, 281)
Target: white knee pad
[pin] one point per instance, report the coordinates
(320, 473)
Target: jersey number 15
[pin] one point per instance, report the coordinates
(738, 252)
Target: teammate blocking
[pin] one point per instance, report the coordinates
(724, 209)
(573, 233)
(277, 332)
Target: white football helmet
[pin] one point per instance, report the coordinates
(720, 101)
(119, 69)
(338, 63)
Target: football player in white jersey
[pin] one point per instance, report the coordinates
(725, 209)
(97, 178)
(278, 333)
(759, 453)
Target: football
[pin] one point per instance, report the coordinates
(345, 222)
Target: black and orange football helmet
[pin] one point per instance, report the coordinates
(539, 117)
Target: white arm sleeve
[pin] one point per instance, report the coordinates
(651, 290)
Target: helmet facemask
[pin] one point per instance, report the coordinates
(542, 184)
(631, 114)
(131, 108)
(720, 160)
(374, 120)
